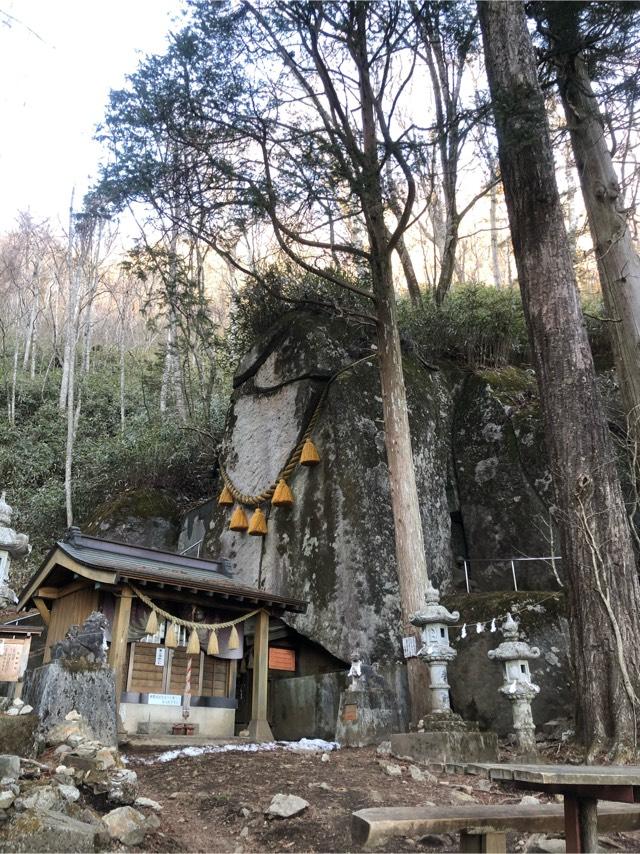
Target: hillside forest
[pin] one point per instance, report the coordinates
(393, 163)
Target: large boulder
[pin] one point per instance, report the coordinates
(60, 687)
(139, 517)
(335, 547)
(33, 831)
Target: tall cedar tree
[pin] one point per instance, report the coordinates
(585, 40)
(602, 582)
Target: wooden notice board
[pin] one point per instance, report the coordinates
(282, 659)
(14, 655)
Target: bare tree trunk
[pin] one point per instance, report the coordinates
(14, 383)
(448, 260)
(598, 558)
(122, 374)
(493, 224)
(70, 436)
(409, 272)
(618, 262)
(410, 551)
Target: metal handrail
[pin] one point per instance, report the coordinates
(510, 560)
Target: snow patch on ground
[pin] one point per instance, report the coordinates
(305, 745)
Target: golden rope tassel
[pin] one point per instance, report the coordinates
(234, 640)
(171, 637)
(282, 497)
(258, 524)
(309, 455)
(239, 520)
(193, 647)
(152, 623)
(213, 648)
(226, 498)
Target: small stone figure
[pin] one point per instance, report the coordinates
(12, 545)
(355, 673)
(518, 687)
(436, 651)
(84, 642)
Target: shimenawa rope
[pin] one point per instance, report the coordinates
(294, 456)
(214, 627)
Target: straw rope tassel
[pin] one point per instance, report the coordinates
(152, 623)
(171, 638)
(212, 647)
(226, 498)
(282, 497)
(234, 640)
(309, 455)
(258, 524)
(193, 647)
(239, 520)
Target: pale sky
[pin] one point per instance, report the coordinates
(54, 86)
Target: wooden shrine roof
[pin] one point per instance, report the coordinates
(110, 563)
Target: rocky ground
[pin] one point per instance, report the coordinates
(220, 802)
(82, 795)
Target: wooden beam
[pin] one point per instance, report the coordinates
(45, 613)
(259, 729)
(119, 636)
(59, 558)
(59, 592)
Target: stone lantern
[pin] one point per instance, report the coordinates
(11, 545)
(432, 621)
(518, 688)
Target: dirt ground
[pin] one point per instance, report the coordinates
(216, 802)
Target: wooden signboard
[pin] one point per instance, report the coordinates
(14, 655)
(350, 712)
(282, 659)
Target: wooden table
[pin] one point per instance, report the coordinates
(582, 787)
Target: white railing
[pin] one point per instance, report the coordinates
(550, 559)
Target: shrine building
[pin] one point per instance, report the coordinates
(182, 635)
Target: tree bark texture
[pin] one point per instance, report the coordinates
(618, 262)
(410, 551)
(598, 558)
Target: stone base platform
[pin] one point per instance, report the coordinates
(445, 747)
(364, 717)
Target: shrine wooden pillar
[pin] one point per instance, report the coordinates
(119, 636)
(259, 729)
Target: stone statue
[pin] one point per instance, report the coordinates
(86, 642)
(12, 545)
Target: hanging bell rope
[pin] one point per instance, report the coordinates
(294, 457)
(190, 624)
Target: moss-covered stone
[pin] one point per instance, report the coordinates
(146, 517)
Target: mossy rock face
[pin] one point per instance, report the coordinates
(475, 679)
(502, 480)
(335, 547)
(17, 734)
(141, 517)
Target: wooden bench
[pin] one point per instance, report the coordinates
(482, 827)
